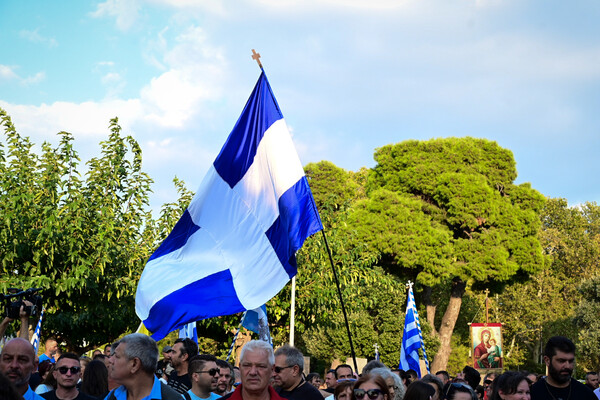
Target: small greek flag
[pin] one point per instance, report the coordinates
(412, 338)
(35, 340)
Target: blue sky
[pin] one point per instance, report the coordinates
(349, 75)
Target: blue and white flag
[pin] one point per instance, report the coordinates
(189, 331)
(35, 339)
(234, 247)
(256, 321)
(412, 338)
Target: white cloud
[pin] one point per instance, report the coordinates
(37, 78)
(7, 72)
(35, 37)
(88, 119)
(195, 74)
(125, 11)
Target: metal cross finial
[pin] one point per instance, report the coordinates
(409, 284)
(256, 56)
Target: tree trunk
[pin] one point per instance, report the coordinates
(431, 308)
(447, 327)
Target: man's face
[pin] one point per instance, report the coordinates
(17, 361)
(71, 375)
(167, 355)
(51, 347)
(178, 356)
(288, 375)
(204, 380)
(344, 373)
(107, 351)
(560, 367)
(592, 380)
(223, 381)
(443, 378)
(119, 365)
(330, 380)
(256, 371)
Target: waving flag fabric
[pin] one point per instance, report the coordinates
(35, 339)
(189, 331)
(234, 247)
(412, 338)
(256, 321)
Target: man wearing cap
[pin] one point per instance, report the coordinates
(163, 368)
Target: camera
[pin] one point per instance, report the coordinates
(13, 307)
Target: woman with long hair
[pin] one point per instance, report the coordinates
(95, 379)
(46, 369)
(371, 387)
(511, 385)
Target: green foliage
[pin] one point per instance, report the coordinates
(480, 226)
(81, 240)
(589, 326)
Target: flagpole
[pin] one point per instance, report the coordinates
(337, 283)
(235, 337)
(293, 311)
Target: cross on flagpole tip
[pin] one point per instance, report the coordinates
(256, 56)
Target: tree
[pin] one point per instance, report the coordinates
(447, 212)
(82, 241)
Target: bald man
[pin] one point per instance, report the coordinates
(17, 362)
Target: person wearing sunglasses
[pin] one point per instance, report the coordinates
(288, 378)
(67, 372)
(371, 387)
(204, 373)
(459, 391)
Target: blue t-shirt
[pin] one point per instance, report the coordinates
(121, 392)
(31, 395)
(44, 357)
(213, 396)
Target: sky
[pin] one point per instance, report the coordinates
(349, 75)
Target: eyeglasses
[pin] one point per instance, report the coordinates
(74, 370)
(279, 369)
(211, 372)
(372, 393)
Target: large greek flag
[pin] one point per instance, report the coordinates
(412, 338)
(234, 247)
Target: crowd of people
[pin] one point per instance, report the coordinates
(132, 369)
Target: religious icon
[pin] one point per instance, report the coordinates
(487, 345)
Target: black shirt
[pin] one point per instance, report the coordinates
(181, 383)
(301, 392)
(51, 395)
(542, 390)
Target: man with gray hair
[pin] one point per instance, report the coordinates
(256, 367)
(288, 378)
(132, 365)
